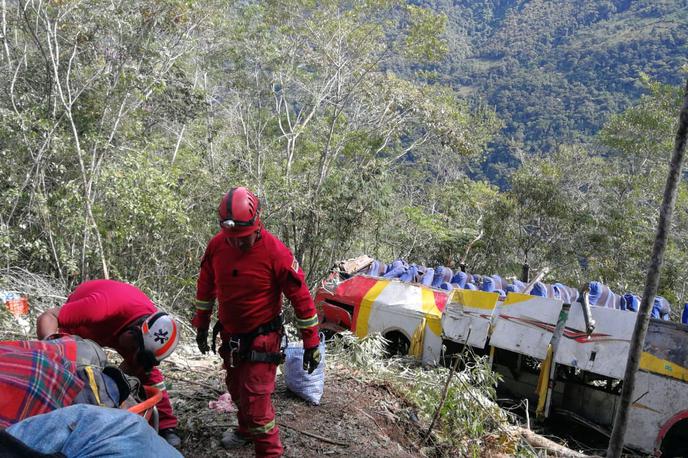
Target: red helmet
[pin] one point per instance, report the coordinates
(239, 212)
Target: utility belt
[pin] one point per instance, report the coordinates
(237, 347)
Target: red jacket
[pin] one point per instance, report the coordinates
(248, 287)
(101, 309)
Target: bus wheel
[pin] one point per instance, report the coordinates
(397, 344)
(675, 443)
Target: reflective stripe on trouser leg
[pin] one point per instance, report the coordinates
(260, 413)
(167, 418)
(265, 429)
(161, 386)
(251, 385)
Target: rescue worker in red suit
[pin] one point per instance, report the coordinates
(120, 316)
(246, 269)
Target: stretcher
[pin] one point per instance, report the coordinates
(147, 409)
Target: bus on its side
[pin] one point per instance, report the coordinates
(544, 349)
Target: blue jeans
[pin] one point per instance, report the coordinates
(84, 430)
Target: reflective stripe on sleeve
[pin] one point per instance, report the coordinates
(307, 322)
(203, 305)
(161, 386)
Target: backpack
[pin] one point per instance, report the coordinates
(105, 385)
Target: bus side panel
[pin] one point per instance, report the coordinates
(396, 307)
(665, 351)
(432, 344)
(406, 307)
(525, 324)
(656, 400)
(468, 316)
(605, 351)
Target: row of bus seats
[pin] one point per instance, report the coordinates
(440, 277)
(601, 295)
(443, 277)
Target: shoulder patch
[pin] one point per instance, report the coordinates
(295, 264)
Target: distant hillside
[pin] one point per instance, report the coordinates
(556, 69)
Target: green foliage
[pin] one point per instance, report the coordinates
(146, 112)
(469, 415)
(119, 134)
(641, 141)
(555, 70)
(321, 120)
(424, 42)
(590, 212)
(644, 134)
(108, 84)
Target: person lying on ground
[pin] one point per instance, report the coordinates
(39, 376)
(83, 431)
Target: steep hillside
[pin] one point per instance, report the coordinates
(555, 70)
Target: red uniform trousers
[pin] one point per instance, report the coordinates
(167, 418)
(251, 384)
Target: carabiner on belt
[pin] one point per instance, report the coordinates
(234, 344)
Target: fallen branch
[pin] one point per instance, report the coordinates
(193, 395)
(538, 441)
(371, 417)
(324, 439)
(173, 376)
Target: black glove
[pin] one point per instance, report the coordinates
(311, 359)
(202, 340)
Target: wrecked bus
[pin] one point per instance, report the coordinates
(545, 349)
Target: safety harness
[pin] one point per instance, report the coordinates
(238, 346)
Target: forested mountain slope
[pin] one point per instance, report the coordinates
(359, 124)
(555, 70)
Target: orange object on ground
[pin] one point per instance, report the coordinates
(16, 303)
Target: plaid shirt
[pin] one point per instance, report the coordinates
(36, 377)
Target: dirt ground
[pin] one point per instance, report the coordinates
(353, 418)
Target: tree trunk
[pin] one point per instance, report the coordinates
(663, 226)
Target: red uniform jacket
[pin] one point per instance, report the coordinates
(101, 309)
(248, 287)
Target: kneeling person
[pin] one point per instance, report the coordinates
(120, 316)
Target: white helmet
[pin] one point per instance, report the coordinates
(160, 335)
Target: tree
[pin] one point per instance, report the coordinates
(548, 214)
(616, 440)
(639, 139)
(85, 83)
(319, 120)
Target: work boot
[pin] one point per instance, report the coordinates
(170, 435)
(233, 439)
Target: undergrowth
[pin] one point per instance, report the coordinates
(470, 422)
(42, 293)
